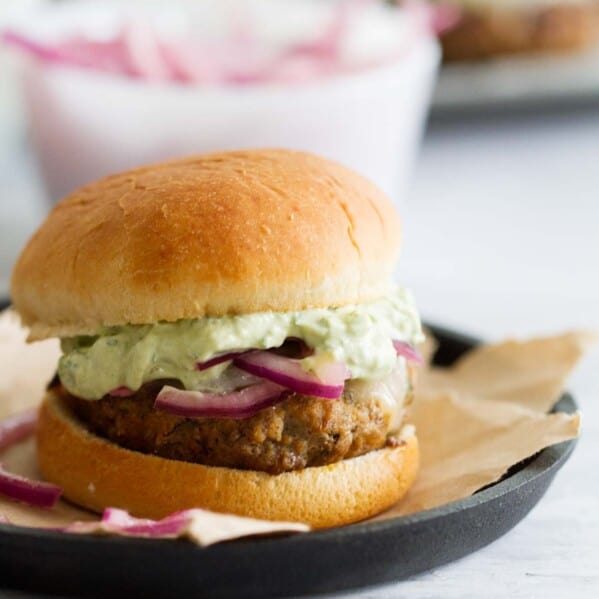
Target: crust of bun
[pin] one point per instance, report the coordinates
(95, 473)
(497, 31)
(228, 233)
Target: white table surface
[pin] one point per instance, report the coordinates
(501, 239)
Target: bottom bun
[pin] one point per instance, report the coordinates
(96, 473)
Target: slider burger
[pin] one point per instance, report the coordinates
(231, 339)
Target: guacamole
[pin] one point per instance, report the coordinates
(359, 335)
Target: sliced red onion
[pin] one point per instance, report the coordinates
(31, 492)
(17, 428)
(199, 525)
(238, 404)
(293, 347)
(121, 392)
(230, 380)
(138, 51)
(117, 521)
(407, 351)
(289, 373)
(227, 357)
(122, 521)
(144, 53)
(43, 52)
(4, 519)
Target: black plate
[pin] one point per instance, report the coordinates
(327, 561)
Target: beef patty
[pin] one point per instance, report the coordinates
(299, 432)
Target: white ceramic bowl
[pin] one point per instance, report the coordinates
(85, 124)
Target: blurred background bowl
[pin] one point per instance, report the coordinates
(86, 124)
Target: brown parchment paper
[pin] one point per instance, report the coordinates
(474, 420)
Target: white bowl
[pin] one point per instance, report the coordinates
(85, 124)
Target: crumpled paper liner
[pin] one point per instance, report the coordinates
(474, 420)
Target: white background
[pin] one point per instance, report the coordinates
(502, 239)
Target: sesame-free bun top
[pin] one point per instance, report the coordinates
(211, 235)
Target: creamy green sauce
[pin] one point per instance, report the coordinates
(359, 335)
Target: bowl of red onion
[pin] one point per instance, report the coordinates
(108, 86)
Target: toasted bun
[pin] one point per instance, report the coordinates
(96, 473)
(229, 233)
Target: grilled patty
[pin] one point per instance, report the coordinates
(297, 433)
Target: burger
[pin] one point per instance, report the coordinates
(232, 339)
(491, 28)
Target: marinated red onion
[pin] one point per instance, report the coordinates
(227, 357)
(122, 521)
(242, 403)
(407, 351)
(290, 374)
(240, 57)
(292, 347)
(118, 521)
(186, 523)
(25, 490)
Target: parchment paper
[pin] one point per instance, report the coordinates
(474, 421)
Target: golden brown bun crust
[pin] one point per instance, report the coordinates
(96, 474)
(487, 33)
(228, 233)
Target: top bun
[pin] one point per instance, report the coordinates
(226, 233)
